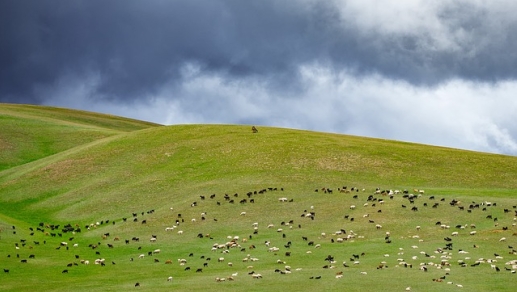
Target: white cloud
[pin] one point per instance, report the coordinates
(459, 114)
(440, 25)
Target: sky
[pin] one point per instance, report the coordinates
(441, 72)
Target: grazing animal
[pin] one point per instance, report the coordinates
(256, 276)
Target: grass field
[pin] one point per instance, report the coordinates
(106, 175)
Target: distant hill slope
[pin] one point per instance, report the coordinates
(32, 132)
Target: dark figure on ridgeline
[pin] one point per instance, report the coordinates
(253, 129)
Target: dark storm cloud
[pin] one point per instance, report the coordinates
(137, 46)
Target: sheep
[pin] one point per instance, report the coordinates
(169, 279)
(256, 276)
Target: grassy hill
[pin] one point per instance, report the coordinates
(110, 174)
(33, 132)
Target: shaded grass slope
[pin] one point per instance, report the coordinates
(33, 132)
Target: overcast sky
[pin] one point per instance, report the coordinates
(441, 72)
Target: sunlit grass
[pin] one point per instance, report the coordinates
(125, 169)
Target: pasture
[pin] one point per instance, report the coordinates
(222, 202)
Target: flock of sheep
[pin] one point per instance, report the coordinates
(274, 240)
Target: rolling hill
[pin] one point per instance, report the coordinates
(114, 179)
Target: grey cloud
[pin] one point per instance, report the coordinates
(137, 46)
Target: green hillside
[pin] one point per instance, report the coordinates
(114, 180)
(33, 132)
